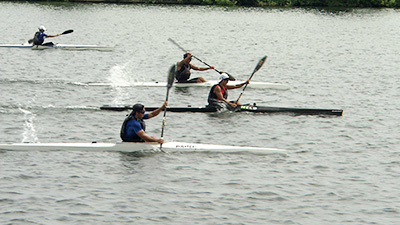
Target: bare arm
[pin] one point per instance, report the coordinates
(238, 85)
(157, 111)
(201, 68)
(53, 35)
(217, 91)
(148, 138)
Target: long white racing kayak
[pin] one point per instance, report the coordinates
(59, 46)
(135, 147)
(26, 45)
(252, 84)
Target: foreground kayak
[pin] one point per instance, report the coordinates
(134, 147)
(242, 108)
(259, 85)
(60, 46)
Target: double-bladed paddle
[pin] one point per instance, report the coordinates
(220, 72)
(259, 65)
(171, 78)
(65, 32)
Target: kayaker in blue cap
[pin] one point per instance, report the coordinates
(134, 128)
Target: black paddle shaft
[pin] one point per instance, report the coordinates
(171, 77)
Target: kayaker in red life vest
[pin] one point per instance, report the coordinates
(133, 128)
(218, 96)
(183, 68)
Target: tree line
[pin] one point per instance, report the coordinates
(255, 3)
(300, 3)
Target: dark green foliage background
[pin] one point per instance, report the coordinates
(254, 3)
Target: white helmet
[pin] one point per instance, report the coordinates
(223, 76)
(42, 28)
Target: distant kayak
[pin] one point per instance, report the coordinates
(207, 84)
(59, 46)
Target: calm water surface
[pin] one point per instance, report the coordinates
(338, 170)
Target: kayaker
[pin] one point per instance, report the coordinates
(218, 96)
(184, 67)
(39, 36)
(134, 128)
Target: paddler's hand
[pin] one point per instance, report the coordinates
(211, 67)
(244, 83)
(161, 141)
(233, 104)
(164, 105)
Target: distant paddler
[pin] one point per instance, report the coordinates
(219, 92)
(134, 128)
(218, 96)
(188, 54)
(39, 36)
(184, 67)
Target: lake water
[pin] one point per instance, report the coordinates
(337, 170)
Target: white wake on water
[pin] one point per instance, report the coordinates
(29, 134)
(120, 76)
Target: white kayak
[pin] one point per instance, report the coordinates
(59, 46)
(136, 146)
(26, 45)
(252, 84)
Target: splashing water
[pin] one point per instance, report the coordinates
(120, 76)
(29, 134)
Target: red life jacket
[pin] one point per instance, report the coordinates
(224, 92)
